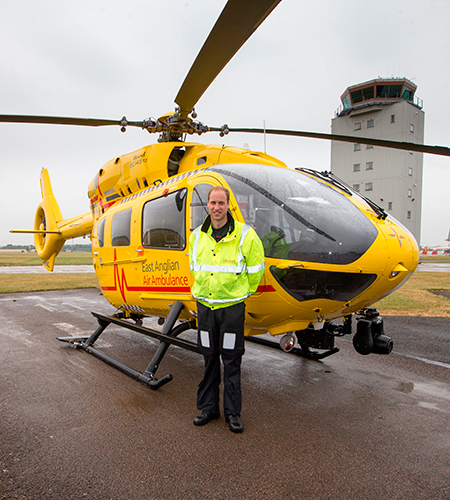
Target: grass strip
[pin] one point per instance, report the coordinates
(10, 283)
(31, 259)
(415, 299)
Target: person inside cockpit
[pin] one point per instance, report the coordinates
(275, 244)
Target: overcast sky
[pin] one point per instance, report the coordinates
(109, 58)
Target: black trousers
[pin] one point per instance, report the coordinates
(221, 334)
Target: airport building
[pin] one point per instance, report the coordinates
(384, 108)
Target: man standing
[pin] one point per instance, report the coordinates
(227, 261)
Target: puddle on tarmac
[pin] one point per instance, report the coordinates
(406, 387)
(432, 396)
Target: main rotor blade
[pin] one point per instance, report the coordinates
(407, 146)
(238, 20)
(65, 120)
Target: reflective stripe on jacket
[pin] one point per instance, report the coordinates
(227, 271)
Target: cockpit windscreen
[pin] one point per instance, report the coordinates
(298, 217)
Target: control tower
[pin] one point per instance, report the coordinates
(384, 108)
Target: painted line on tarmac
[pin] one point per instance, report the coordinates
(410, 356)
(428, 361)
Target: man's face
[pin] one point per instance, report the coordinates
(217, 207)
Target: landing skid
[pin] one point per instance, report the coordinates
(304, 350)
(167, 337)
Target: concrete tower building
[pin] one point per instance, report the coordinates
(385, 108)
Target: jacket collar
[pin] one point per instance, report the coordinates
(207, 223)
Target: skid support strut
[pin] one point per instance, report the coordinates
(167, 336)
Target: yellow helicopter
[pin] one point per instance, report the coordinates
(330, 252)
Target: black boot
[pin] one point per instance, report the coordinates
(204, 417)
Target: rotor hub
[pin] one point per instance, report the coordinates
(172, 127)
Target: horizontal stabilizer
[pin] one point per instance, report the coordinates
(34, 231)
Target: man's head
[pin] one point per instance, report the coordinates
(218, 205)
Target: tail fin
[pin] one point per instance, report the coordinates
(50, 229)
(48, 240)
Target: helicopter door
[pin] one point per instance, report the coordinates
(163, 233)
(98, 243)
(115, 255)
(123, 243)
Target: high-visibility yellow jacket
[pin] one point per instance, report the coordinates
(228, 271)
(275, 246)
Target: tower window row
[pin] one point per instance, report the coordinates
(368, 186)
(357, 166)
(370, 123)
(357, 147)
(369, 166)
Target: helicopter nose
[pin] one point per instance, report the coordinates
(403, 252)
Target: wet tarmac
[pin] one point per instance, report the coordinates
(347, 427)
(434, 267)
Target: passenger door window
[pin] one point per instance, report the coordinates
(121, 229)
(163, 222)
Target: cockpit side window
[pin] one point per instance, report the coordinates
(163, 221)
(199, 204)
(121, 228)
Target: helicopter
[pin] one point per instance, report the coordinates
(330, 252)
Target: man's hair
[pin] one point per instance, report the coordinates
(220, 188)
